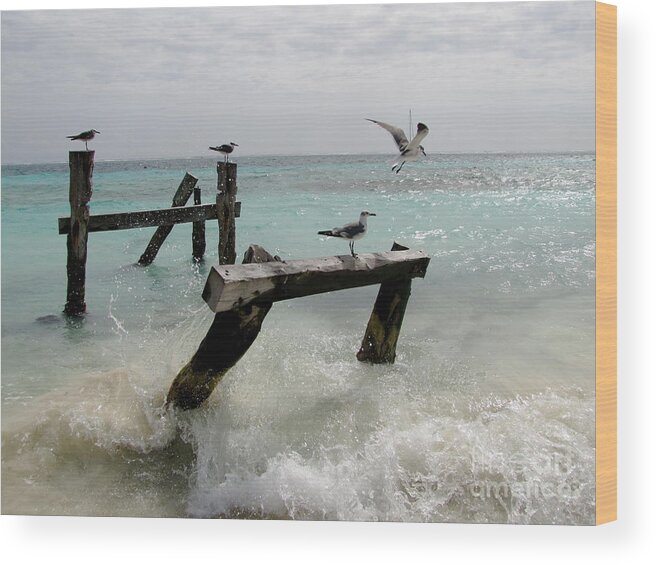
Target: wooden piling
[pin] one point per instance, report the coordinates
(382, 333)
(226, 198)
(179, 199)
(80, 190)
(229, 337)
(197, 231)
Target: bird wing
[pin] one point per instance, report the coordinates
(349, 230)
(417, 139)
(397, 133)
(83, 136)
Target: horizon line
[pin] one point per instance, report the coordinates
(484, 152)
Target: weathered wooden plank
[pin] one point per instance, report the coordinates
(226, 198)
(229, 337)
(197, 231)
(77, 227)
(145, 218)
(179, 199)
(384, 327)
(230, 286)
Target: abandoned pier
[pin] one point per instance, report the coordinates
(241, 296)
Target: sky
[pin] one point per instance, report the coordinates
(166, 83)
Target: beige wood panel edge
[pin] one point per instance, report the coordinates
(606, 268)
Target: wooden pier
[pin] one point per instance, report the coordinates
(80, 223)
(242, 295)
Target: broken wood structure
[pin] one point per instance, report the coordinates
(80, 223)
(242, 295)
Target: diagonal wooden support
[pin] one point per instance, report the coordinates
(382, 333)
(179, 199)
(229, 337)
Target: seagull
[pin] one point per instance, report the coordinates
(225, 149)
(409, 151)
(85, 136)
(356, 230)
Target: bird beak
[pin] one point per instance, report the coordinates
(371, 214)
(236, 144)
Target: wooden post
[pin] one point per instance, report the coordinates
(382, 333)
(229, 337)
(225, 210)
(179, 199)
(80, 190)
(197, 231)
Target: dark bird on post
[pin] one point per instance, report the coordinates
(410, 151)
(85, 136)
(225, 149)
(352, 232)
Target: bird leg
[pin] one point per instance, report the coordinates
(352, 247)
(397, 170)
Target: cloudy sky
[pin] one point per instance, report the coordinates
(298, 79)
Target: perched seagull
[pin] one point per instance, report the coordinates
(85, 136)
(225, 149)
(356, 230)
(409, 151)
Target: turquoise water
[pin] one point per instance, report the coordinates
(487, 415)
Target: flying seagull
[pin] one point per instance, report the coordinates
(409, 151)
(85, 136)
(356, 230)
(225, 149)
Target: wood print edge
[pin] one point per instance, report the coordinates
(606, 267)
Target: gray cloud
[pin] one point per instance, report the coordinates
(298, 79)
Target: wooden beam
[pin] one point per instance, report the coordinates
(229, 337)
(179, 199)
(77, 227)
(145, 218)
(382, 333)
(230, 286)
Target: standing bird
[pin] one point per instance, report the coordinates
(409, 151)
(356, 230)
(225, 149)
(85, 136)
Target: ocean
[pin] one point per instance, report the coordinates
(486, 416)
